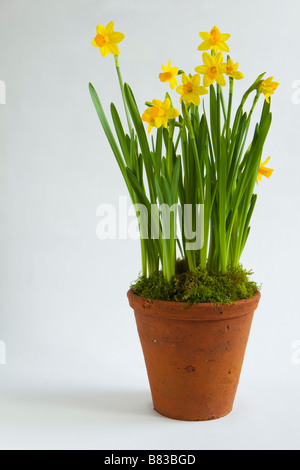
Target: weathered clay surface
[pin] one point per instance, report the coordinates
(193, 354)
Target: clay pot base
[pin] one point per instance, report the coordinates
(177, 418)
(193, 354)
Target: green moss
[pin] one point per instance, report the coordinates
(198, 287)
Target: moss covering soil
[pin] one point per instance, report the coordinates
(201, 286)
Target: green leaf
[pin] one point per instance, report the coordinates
(142, 137)
(253, 87)
(121, 134)
(175, 181)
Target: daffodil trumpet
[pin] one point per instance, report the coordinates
(191, 150)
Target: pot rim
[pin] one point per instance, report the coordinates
(192, 312)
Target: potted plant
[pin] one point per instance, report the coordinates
(192, 184)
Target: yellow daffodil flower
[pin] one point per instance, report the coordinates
(231, 69)
(263, 171)
(212, 69)
(267, 87)
(107, 39)
(169, 75)
(190, 89)
(149, 119)
(214, 41)
(159, 114)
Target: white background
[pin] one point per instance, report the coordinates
(75, 377)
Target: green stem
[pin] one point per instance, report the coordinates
(222, 185)
(223, 106)
(231, 82)
(248, 123)
(170, 150)
(130, 126)
(219, 118)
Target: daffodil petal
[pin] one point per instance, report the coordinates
(267, 161)
(196, 80)
(165, 121)
(173, 83)
(238, 75)
(100, 29)
(109, 28)
(224, 37)
(223, 47)
(113, 48)
(172, 113)
(104, 51)
(219, 58)
(185, 79)
(208, 59)
(186, 98)
(157, 103)
(116, 37)
(195, 99)
(204, 46)
(201, 69)
(207, 81)
(166, 104)
(200, 90)
(204, 36)
(158, 122)
(220, 79)
(223, 68)
(263, 171)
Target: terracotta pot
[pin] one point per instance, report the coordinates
(193, 354)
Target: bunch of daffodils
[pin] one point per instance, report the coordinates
(201, 162)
